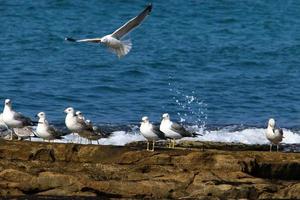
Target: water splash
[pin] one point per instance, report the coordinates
(192, 109)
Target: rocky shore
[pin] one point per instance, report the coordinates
(199, 170)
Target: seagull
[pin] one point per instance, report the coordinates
(44, 130)
(150, 132)
(173, 130)
(114, 40)
(79, 115)
(77, 125)
(274, 135)
(14, 119)
(24, 132)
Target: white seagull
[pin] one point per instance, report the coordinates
(114, 41)
(77, 125)
(44, 130)
(150, 132)
(173, 130)
(274, 135)
(14, 119)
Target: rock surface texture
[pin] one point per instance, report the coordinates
(193, 170)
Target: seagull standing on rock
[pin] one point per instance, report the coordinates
(150, 132)
(77, 125)
(44, 130)
(14, 120)
(114, 41)
(173, 130)
(274, 135)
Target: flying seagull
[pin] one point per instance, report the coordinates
(173, 130)
(114, 41)
(274, 135)
(150, 132)
(14, 119)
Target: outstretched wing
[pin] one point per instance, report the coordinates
(94, 40)
(180, 129)
(131, 24)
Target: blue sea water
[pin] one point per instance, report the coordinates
(208, 63)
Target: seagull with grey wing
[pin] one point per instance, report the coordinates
(15, 120)
(79, 125)
(273, 134)
(173, 130)
(150, 132)
(46, 131)
(114, 41)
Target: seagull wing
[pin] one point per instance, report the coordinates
(156, 130)
(56, 134)
(26, 121)
(85, 125)
(180, 129)
(94, 40)
(279, 132)
(131, 24)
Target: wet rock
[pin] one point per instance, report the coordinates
(189, 171)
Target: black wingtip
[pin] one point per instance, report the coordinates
(70, 39)
(149, 7)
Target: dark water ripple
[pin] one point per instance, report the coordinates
(241, 58)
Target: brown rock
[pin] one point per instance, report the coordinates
(220, 171)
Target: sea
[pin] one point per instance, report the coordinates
(221, 68)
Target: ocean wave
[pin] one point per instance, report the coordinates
(229, 134)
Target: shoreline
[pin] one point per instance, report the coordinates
(189, 171)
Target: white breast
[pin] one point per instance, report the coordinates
(8, 118)
(42, 131)
(273, 137)
(72, 124)
(146, 131)
(165, 127)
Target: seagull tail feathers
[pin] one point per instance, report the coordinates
(124, 48)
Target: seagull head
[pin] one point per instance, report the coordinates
(165, 116)
(41, 115)
(69, 110)
(7, 102)
(271, 123)
(78, 113)
(145, 119)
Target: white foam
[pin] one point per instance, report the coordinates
(121, 138)
(246, 136)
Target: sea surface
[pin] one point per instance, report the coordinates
(222, 67)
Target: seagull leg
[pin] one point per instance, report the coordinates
(173, 143)
(168, 143)
(97, 141)
(11, 134)
(277, 147)
(153, 144)
(147, 145)
(271, 147)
